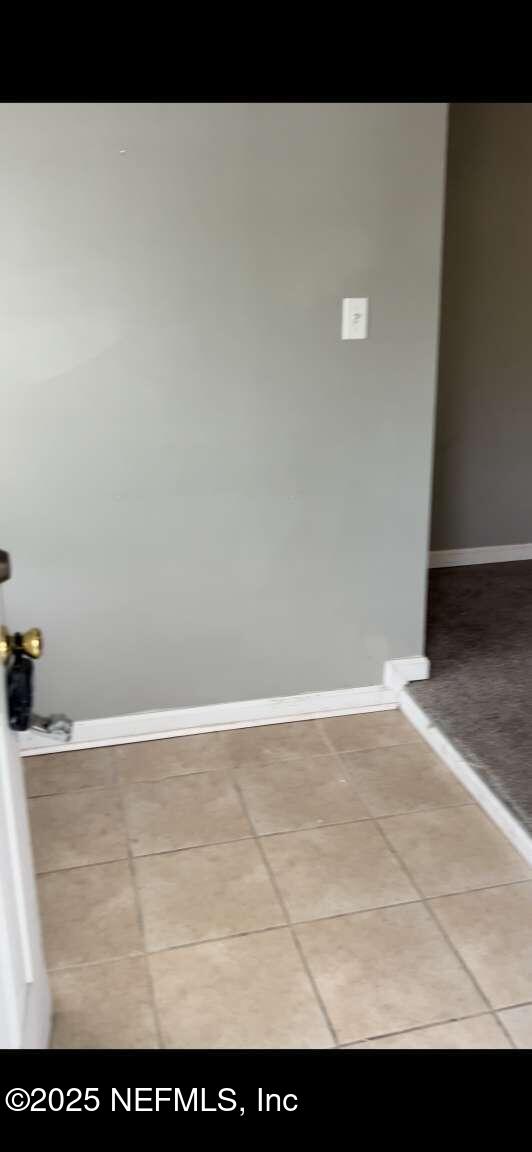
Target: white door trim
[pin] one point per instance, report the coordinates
(25, 1004)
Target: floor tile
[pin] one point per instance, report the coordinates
(77, 828)
(492, 930)
(303, 793)
(204, 893)
(268, 742)
(476, 1032)
(156, 759)
(385, 971)
(69, 771)
(329, 871)
(453, 849)
(89, 914)
(104, 1006)
(370, 730)
(245, 992)
(518, 1022)
(406, 778)
(183, 812)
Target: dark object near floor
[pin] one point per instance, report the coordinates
(480, 691)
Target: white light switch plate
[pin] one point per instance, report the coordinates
(354, 318)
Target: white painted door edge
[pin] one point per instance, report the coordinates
(493, 554)
(494, 808)
(212, 718)
(38, 1021)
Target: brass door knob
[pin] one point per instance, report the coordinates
(5, 645)
(30, 642)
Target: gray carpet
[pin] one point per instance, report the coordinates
(480, 692)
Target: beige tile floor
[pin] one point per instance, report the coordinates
(307, 885)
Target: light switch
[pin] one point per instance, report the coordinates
(354, 318)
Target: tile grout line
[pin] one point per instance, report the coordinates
(288, 923)
(314, 988)
(117, 782)
(416, 738)
(489, 1011)
(140, 921)
(107, 787)
(362, 819)
(519, 1004)
(492, 1013)
(447, 937)
(421, 811)
(287, 832)
(426, 902)
(270, 836)
(79, 867)
(343, 764)
(81, 964)
(322, 729)
(252, 835)
(420, 1028)
(502, 1025)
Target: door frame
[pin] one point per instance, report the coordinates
(26, 1022)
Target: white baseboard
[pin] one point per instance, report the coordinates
(494, 808)
(211, 718)
(397, 673)
(490, 555)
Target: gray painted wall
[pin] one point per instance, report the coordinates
(211, 497)
(483, 472)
